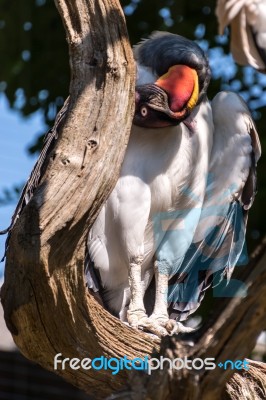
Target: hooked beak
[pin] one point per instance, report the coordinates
(158, 100)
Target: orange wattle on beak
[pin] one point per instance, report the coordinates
(181, 85)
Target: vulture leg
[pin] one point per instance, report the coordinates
(136, 313)
(160, 314)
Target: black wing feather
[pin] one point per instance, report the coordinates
(37, 172)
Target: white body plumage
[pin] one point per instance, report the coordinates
(159, 165)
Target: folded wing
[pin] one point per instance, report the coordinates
(219, 240)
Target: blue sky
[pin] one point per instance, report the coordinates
(16, 133)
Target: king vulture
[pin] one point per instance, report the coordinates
(178, 211)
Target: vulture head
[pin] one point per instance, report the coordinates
(177, 73)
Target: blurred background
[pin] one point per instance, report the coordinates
(34, 81)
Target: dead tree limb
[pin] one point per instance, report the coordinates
(47, 307)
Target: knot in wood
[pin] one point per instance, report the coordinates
(92, 144)
(65, 161)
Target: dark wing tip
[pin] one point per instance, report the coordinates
(36, 174)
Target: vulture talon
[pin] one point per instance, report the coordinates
(175, 328)
(155, 328)
(137, 318)
(165, 326)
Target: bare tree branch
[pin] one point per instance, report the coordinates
(47, 307)
(248, 385)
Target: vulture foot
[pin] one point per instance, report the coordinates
(163, 326)
(137, 318)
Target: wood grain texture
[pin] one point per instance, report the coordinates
(46, 304)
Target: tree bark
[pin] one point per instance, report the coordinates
(47, 307)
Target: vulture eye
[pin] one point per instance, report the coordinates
(144, 111)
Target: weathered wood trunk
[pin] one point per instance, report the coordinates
(47, 307)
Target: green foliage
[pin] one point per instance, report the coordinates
(34, 70)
